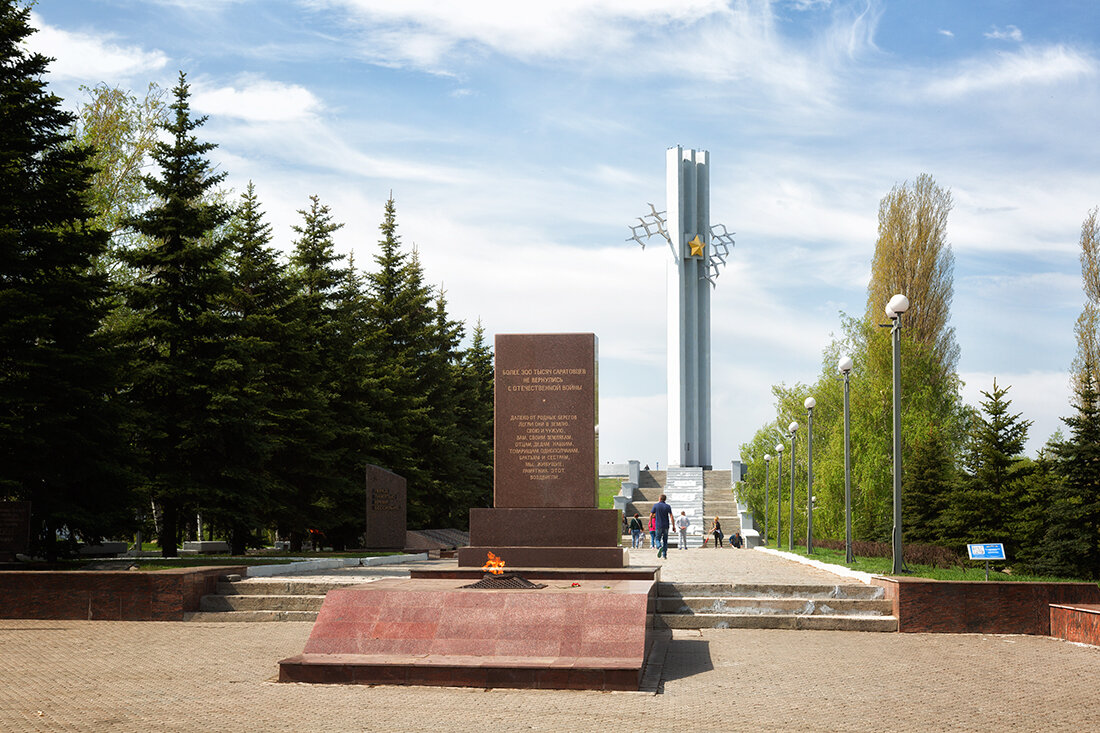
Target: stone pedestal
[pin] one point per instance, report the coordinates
(545, 454)
(536, 537)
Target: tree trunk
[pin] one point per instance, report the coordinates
(238, 539)
(169, 520)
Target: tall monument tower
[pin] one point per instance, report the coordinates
(698, 252)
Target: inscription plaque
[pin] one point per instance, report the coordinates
(386, 496)
(15, 528)
(545, 420)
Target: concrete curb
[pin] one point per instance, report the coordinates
(308, 566)
(827, 567)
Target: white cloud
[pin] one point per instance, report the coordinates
(423, 33)
(1049, 65)
(91, 58)
(256, 100)
(945, 32)
(1010, 33)
(708, 40)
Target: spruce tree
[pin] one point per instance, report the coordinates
(475, 420)
(307, 453)
(249, 377)
(176, 332)
(353, 389)
(401, 317)
(1038, 489)
(1071, 546)
(446, 451)
(986, 501)
(60, 424)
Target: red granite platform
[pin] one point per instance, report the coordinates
(1078, 622)
(592, 635)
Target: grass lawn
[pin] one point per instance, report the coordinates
(257, 557)
(884, 565)
(608, 488)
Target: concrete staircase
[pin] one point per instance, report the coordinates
(854, 607)
(719, 501)
(684, 488)
(264, 600)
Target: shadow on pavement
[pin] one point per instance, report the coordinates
(685, 658)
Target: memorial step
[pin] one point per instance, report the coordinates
(841, 607)
(775, 606)
(284, 587)
(265, 600)
(777, 621)
(771, 590)
(232, 616)
(256, 602)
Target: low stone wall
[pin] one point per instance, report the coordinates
(1079, 623)
(997, 607)
(107, 595)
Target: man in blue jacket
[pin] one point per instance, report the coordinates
(664, 523)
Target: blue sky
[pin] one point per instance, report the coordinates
(520, 139)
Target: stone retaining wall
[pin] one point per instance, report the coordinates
(998, 607)
(107, 595)
(1079, 623)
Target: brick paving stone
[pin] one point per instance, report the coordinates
(156, 676)
(161, 676)
(726, 565)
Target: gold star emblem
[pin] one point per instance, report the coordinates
(696, 246)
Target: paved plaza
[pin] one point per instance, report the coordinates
(155, 676)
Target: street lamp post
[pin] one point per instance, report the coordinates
(779, 496)
(793, 428)
(767, 485)
(810, 404)
(845, 366)
(894, 309)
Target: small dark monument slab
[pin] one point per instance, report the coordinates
(15, 528)
(386, 503)
(544, 468)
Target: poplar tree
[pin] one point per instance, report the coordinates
(912, 257)
(60, 426)
(175, 337)
(1088, 323)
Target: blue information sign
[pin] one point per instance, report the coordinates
(986, 551)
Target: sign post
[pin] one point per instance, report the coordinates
(986, 551)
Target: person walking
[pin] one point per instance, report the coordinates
(682, 524)
(652, 529)
(663, 522)
(717, 532)
(636, 530)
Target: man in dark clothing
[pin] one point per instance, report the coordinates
(664, 522)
